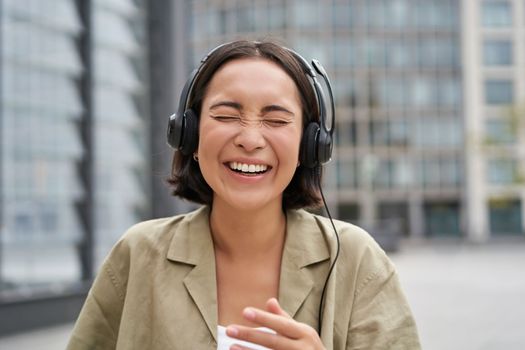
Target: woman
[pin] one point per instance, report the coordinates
(250, 266)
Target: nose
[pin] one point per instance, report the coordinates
(250, 138)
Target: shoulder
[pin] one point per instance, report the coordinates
(359, 252)
(154, 236)
(351, 237)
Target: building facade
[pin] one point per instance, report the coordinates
(429, 124)
(41, 148)
(75, 148)
(494, 116)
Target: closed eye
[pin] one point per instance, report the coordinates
(276, 122)
(226, 118)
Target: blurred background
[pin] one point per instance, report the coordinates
(430, 137)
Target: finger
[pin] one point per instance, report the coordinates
(281, 324)
(239, 347)
(259, 337)
(272, 305)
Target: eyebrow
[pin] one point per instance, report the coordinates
(238, 106)
(232, 104)
(276, 108)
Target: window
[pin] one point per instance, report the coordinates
(347, 173)
(276, 16)
(392, 218)
(500, 132)
(344, 54)
(398, 133)
(497, 53)
(379, 133)
(342, 15)
(245, 19)
(346, 133)
(505, 216)
(383, 175)
(434, 13)
(423, 91)
(430, 173)
(392, 133)
(398, 54)
(348, 212)
(502, 171)
(222, 22)
(397, 13)
(498, 92)
(374, 14)
(393, 173)
(442, 218)
(449, 91)
(375, 52)
(433, 52)
(496, 14)
(445, 52)
(450, 172)
(441, 172)
(388, 91)
(307, 14)
(345, 91)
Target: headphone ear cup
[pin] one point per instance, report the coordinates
(324, 147)
(174, 130)
(190, 133)
(309, 145)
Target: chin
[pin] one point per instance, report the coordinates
(247, 204)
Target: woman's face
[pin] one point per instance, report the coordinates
(250, 133)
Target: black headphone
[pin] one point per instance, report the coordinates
(317, 141)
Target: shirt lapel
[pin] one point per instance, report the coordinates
(304, 246)
(192, 244)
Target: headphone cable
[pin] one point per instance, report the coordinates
(321, 303)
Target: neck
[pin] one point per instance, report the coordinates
(248, 233)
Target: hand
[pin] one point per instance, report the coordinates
(290, 335)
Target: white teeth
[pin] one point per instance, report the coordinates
(248, 168)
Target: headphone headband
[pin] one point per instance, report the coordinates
(316, 146)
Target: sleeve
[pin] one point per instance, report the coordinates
(98, 323)
(381, 317)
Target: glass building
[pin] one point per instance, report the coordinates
(74, 136)
(406, 76)
(120, 120)
(41, 107)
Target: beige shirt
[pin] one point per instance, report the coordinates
(157, 288)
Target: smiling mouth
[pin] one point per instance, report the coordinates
(248, 169)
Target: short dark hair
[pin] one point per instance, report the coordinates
(186, 178)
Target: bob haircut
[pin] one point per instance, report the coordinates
(186, 178)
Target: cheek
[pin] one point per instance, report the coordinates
(287, 145)
(210, 135)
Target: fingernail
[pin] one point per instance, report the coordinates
(235, 347)
(232, 331)
(249, 313)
